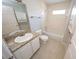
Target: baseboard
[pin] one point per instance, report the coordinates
(54, 36)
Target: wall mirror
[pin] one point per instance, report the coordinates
(21, 16)
(14, 15)
(15, 20)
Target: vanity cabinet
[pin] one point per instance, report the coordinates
(35, 44)
(26, 51)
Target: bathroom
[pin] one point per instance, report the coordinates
(38, 29)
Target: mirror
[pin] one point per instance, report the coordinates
(14, 16)
(22, 17)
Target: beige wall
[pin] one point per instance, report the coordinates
(9, 23)
(56, 24)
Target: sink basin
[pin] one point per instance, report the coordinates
(26, 37)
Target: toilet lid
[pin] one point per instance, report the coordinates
(44, 37)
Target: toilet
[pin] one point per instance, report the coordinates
(43, 37)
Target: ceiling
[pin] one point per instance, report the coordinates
(53, 1)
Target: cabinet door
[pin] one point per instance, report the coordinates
(35, 44)
(25, 52)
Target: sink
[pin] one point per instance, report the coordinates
(26, 37)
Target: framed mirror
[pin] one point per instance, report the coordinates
(22, 17)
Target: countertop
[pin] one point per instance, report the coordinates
(15, 46)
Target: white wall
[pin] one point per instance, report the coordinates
(35, 8)
(9, 23)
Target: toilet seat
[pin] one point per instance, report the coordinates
(44, 37)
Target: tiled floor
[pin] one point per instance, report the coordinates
(51, 50)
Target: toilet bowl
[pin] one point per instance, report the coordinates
(43, 38)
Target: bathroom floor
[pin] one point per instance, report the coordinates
(51, 50)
